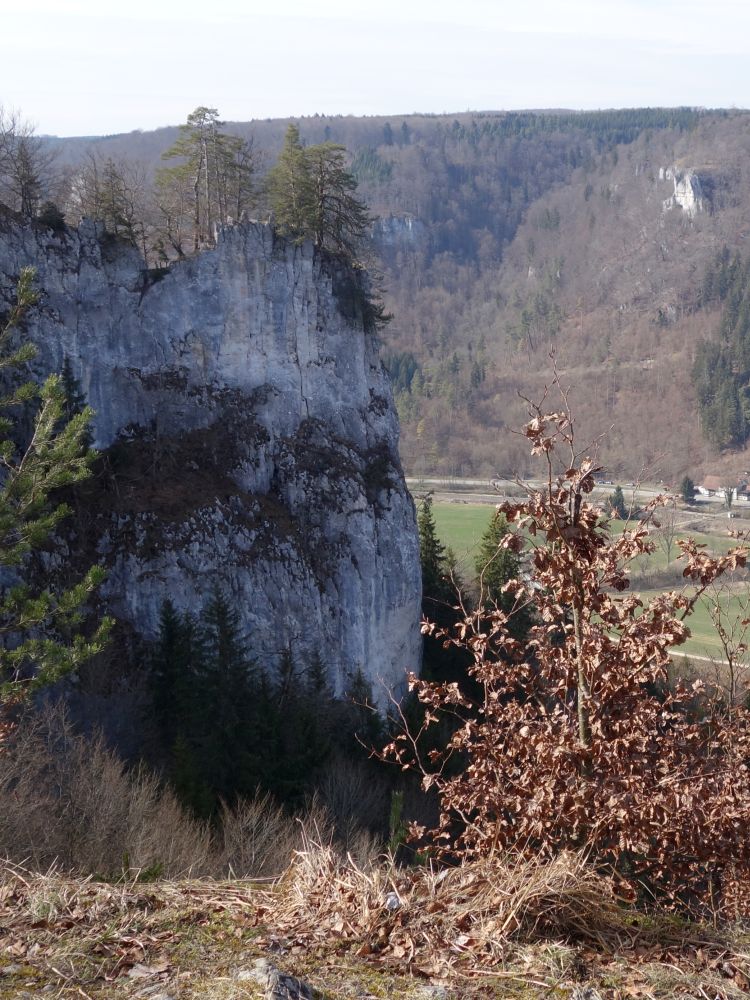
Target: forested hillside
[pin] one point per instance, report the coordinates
(503, 237)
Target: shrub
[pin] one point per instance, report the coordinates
(68, 801)
(258, 838)
(578, 740)
(51, 216)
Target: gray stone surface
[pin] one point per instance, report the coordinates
(270, 431)
(277, 985)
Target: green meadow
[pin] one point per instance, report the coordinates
(460, 526)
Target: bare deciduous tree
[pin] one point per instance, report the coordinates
(26, 165)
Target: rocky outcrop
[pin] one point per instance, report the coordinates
(400, 232)
(688, 193)
(251, 436)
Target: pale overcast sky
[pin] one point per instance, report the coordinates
(95, 66)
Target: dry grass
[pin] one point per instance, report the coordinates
(512, 930)
(350, 923)
(483, 918)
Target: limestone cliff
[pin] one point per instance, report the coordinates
(688, 193)
(251, 436)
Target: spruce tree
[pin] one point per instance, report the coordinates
(687, 489)
(436, 587)
(616, 504)
(226, 682)
(440, 583)
(174, 662)
(494, 564)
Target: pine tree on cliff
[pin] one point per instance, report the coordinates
(312, 196)
(339, 220)
(212, 181)
(40, 628)
(289, 188)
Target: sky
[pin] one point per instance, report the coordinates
(92, 67)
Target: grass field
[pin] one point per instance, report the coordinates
(461, 525)
(704, 640)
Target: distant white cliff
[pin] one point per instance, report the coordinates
(688, 193)
(253, 442)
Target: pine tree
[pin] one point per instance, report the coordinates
(213, 181)
(41, 628)
(616, 504)
(192, 146)
(436, 587)
(289, 188)
(494, 564)
(339, 221)
(687, 489)
(25, 165)
(312, 196)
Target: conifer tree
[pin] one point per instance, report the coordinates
(212, 181)
(368, 723)
(440, 587)
(289, 188)
(312, 196)
(616, 504)
(339, 221)
(41, 627)
(495, 565)
(227, 703)
(25, 165)
(436, 587)
(174, 668)
(687, 489)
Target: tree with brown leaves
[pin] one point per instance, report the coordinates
(580, 738)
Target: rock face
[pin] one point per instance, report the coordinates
(400, 232)
(252, 441)
(688, 193)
